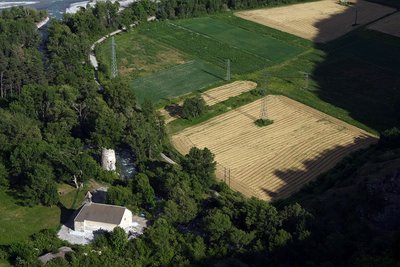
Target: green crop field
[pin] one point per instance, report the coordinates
(177, 80)
(205, 48)
(262, 45)
(167, 59)
(18, 223)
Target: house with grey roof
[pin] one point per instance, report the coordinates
(96, 216)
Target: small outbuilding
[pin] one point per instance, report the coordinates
(96, 216)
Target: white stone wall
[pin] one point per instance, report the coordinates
(94, 226)
(108, 159)
(126, 219)
(79, 226)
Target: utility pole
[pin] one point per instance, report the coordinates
(306, 78)
(356, 18)
(229, 175)
(263, 111)
(114, 69)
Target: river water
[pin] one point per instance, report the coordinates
(56, 8)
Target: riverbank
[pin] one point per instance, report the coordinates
(42, 23)
(75, 7)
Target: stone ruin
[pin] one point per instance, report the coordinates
(108, 159)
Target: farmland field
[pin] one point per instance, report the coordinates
(262, 45)
(139, 55)
(320, 21)
(213, 96)
(177, 80)
(156, 57)
(274, 161)
(355, 79)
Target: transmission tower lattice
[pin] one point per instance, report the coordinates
(114, 69)
(263, 112)
(227, 176)
(228, 70)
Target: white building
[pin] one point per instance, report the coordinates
(96, 216)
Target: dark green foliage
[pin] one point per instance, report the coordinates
(195, 220)
(201, 165)
(262, 123)
(20, 60)
(295, 220)
(193, 107)
(40, 186)
(119, 195)
(142, 191)
(118, 240)
(23, 254)
(3, 176)
(390, 138)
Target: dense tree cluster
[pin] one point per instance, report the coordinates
(193, 107)
(53, 126)
(20, 60)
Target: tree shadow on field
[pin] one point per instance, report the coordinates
(174, 110)
(360, 71)
(216, 75)
(294, 179)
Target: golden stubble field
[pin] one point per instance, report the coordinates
(274, 161)
(218, 94)
(320, 21)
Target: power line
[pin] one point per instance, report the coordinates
(228, 70)
(263, 110)
(114, 69)
(306, 76)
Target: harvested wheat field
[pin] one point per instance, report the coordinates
(320, 21)
(389, 25)
(216, 95)
(226, 91)
(274, 161)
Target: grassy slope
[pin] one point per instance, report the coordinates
(18, 222)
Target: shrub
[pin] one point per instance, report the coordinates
(390, 138)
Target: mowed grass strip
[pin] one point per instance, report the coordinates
(203, 47)
(262, 45)
(178, 80)
(17, 222)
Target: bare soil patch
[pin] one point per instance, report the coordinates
(320, 21)
(274, 161)
(389, 25)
